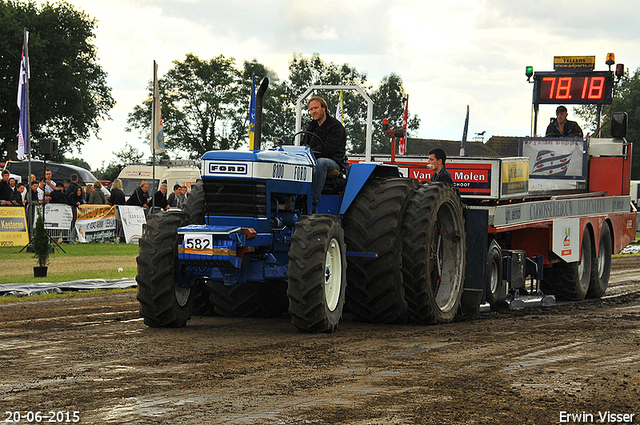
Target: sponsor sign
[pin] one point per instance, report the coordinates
(506, 215)
(13, 227)
(574, 62)
(566, 239)
(470, 179)
(132, 218)
(515, 177)
(96, 223)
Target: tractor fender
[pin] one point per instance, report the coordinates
(359, 174)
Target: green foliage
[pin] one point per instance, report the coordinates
(626, 99)
(68, 94)
(40, 242)
(205, 104)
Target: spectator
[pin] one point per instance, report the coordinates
(72, 186)
(96, 196)
(185, 195)
(77, 198)
(58, 196)
(5, 189)
(12, 184)
(42, 198)
(176, 200)
(33, 193)
(117, 195)
(18, 195)
(139, 196)
(87, 192)
(65, 183)
(160, 198)
(49, 185)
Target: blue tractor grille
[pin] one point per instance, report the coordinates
(235, 198)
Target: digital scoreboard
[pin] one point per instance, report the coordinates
(573, 87)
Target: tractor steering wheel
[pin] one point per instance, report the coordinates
(315, 152)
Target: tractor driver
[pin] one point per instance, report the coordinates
(328, 142)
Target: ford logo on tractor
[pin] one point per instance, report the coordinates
(226, 168)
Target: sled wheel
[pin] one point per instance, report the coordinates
(601, 267)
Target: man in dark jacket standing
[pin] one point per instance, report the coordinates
(437, 159)
(328, 143)
(139, 196)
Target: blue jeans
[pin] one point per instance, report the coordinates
(324, 166)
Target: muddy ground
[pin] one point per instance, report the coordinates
(94, 356)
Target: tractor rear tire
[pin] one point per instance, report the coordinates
(601, 266)
(434, 254)
(248, 299)
(163, 303)
(317, 273)
(570, 281)
(194, 208)
(374, 224)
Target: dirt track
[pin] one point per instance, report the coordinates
(95, 356)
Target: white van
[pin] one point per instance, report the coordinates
(132, 175)
(184, 176)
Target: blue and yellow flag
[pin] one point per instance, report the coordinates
(252, 113)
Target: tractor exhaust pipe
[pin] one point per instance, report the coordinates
(258, 129)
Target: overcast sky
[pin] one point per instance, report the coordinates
(449, 53)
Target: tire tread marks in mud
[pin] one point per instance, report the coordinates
(374, 223)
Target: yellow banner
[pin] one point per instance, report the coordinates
(90, 212)
(13, 227)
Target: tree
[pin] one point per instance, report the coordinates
(68, 94)
(199, 105)
(626, 99)
(205, 104)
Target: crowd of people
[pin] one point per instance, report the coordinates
(46, 190)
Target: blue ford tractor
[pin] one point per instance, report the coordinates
(247, 244)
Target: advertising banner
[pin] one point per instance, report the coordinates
(96, 223)
(13, 227)
(132, 220)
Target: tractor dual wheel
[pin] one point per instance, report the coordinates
(163, 302)
(374, 224)
(434, 254)
(317, 273)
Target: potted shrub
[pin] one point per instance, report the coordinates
(41, 247)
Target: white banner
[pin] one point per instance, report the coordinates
(132, 220)
(57, 216)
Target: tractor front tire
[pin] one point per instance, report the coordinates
(163, 302)
(317, 273)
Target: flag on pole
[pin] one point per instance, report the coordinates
(340, 109)
(157, 131)
(402, 143)
(252, 113)
(23, 100)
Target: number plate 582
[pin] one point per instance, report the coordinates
(198, 241)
